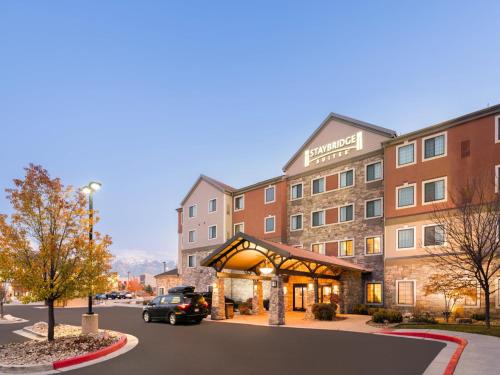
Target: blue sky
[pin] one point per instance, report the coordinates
(146, 95)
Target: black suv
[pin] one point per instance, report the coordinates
(181, 304)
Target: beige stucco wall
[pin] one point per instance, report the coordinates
(334, 131)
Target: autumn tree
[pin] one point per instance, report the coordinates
(45, 239)
(5, 271)
(134, 286)
(471, 226)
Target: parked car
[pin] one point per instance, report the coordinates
(208, 298)
(101, 296)
(125, 295)
(113, 295)
(178, 306)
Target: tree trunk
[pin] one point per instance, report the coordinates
(51, 323)
(1, 309)
(487, 307)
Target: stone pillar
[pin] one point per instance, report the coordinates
(277, 302)
(309, 298)
(90, 324)
(258, 297)
(218, 300)
(288, 296)
(351, 291)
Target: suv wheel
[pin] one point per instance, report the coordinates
(146, 317)
(172, 319)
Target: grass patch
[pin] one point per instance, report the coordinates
(472, 328)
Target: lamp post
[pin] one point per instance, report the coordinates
(89, 190)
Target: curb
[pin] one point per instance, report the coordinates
(90, 356)
(452, 364)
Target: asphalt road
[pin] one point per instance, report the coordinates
(236, 349)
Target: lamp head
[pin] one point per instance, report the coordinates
(95, 186)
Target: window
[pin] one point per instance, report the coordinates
(373, 293)
(269, 194)
(405, 290)
(239, 202)
(497, 129)
(161, 291)
(347, 178)
(346, 213)
(373, 208)
(318, 248)
(296, 222)
(212, 205)
(346, 248)
(433, 235)
(192, 211)
(406, 238)
(318, 218)
(318, 185)
(406, 196)
(472, 297)
(192, 236)
(373, 172)
(405, 154)
(212, 232)
(434, 190)
(269, 224)
(434, 146)
(191, 261)
(239, 227)
(373, 245)
(296, 192)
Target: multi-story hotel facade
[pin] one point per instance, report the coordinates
(354, 201)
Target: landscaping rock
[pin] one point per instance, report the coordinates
(464, 321)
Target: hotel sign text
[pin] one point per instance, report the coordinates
(333, 149)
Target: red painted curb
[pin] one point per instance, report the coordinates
(90, 356)
(452, 364)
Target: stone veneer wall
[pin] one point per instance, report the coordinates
(200, 277)
(357, 229)
(166, 282)
(420, 269)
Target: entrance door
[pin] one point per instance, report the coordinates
(299, 291)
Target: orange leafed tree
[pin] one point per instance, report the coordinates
(134, 286)
(45, 240)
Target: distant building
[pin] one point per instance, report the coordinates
(166, 280)
(147, 279)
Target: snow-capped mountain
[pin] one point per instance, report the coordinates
(138, 263)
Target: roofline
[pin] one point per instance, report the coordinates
(362, 124)
(208, 180)
(446, 124)
(259, 184)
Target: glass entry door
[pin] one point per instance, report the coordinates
(299, 291)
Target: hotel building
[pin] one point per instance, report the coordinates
(347, 220)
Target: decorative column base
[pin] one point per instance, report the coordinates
(277, 302)
(218, 311)
(90, 324)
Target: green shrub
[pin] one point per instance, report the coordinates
(360, 309)
(423, 318)
(373, 310)
(478, 316)
(245, 308)
(324, 311)
(391, 316)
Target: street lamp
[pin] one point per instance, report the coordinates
(89, 190)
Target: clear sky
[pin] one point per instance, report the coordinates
(146, 95)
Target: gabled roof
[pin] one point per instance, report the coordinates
(212, 181)
(172, 272)
(351, 121)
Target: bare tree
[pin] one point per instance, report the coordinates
(472, 246)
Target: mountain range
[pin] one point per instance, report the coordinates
(138, 265)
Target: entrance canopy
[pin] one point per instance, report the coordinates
(246, 253)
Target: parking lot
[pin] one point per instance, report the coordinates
(216, 348)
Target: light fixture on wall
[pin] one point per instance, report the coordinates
(267, 269)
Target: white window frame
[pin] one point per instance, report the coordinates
(423, 235)
(242, 196)
(194, 231)
(302, 222)
(216, 232)
(324, 218)
(406, 185)
(497, 178)
(381, 208)
(381, 245)
(312, 184)
(366, 171)
(161, 291)
(338, 248)
(382, 290)
(274, 224)
(242, 225)
(216, 205)
(274, 194)
(497, 125)
(195, 211)
(353, 178)
(191, 257)
(406, 143)
(414, 292)
(414, 238)
(434, 136)
(291, 191)
(319, 243)
(445, 178)
(338, 213)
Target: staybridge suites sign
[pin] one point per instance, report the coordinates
(333, 150)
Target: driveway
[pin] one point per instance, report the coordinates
(229, 349)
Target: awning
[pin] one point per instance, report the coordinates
(247, 253)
